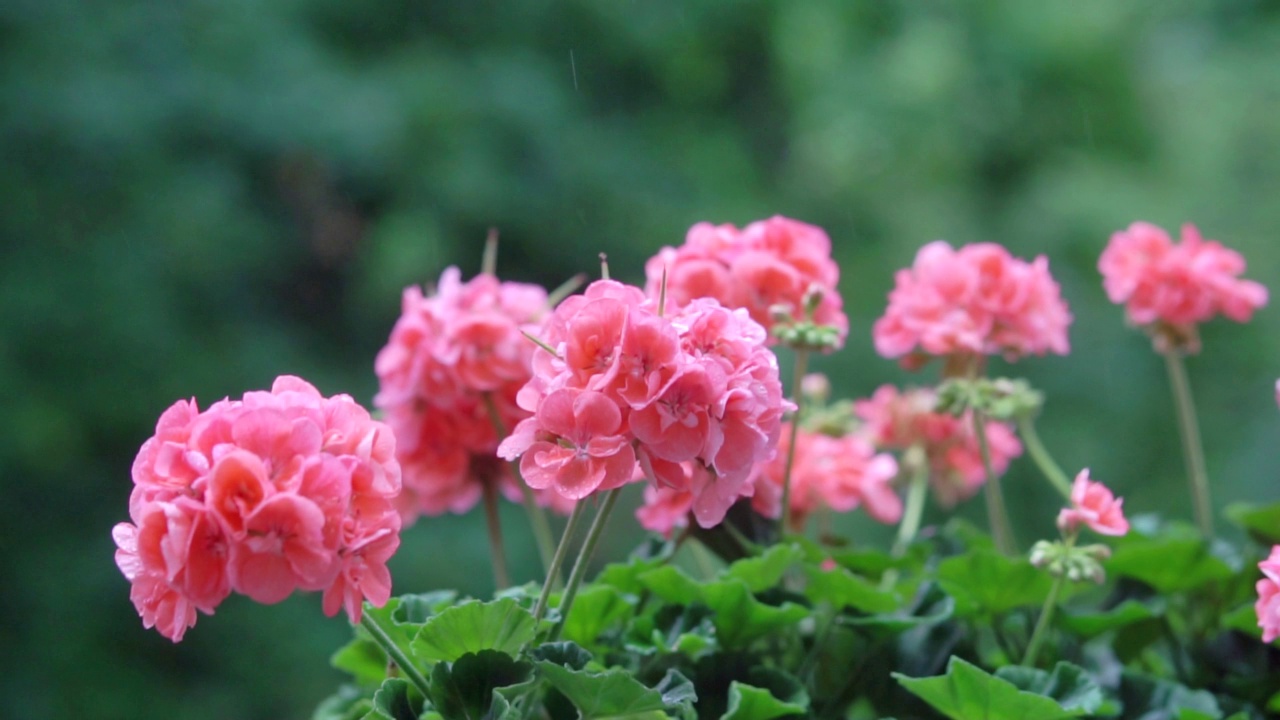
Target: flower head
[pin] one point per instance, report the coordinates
(1268, 604)
(978, 300)
(277, 491)
(900, 420)
(1169, 288)
(454, 361)
(771, 268)
(1093, 504)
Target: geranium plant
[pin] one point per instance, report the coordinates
(559, 401)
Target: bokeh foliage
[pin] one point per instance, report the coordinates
(198, 196)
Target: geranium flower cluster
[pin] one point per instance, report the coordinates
(769, 267)
(450, 357)
(1093, 505)
(895, 420)
(978, 300)
(841, 473)
(1175, 286)
(628, 388)
(278, 491)
(1267, 606)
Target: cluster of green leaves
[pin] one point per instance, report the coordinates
(799, 629)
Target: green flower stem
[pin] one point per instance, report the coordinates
(584, 557)
(801, 366)
(562, 550)
(1046, 615)
(1192, 449)
(916, 493)
(997, 514)
(1041, 457)
(394, 652)
(537, 517)
(493, 524)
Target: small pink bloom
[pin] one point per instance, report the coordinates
(283, 549)
(1268, 604)
(1093, 504)
(664, 509)
(584, 451)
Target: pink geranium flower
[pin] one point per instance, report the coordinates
(769, 265)
(900, 420)
(1169, 287)
(690, 397)
(450, 356)
(1093, 504)
(977, 300)
(1268, 604)
(277, 491)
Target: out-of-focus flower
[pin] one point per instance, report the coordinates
(840, 473)
(1268, 604)
(1092, 504)
(628, 387)
(769, 268)
(278, 491)
(1169, 288)
(895, 420)
(978, 300)
(455, 359)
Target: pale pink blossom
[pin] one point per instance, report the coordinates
(840, 473)
(1169, 288)
(664, 509)
(767, 266)
(1092, 504)
(268, 494)
(623, 386)
(1268, 604)
(973, 301)
(451, 356)
(899, 420)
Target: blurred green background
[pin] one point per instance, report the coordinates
(198, 196)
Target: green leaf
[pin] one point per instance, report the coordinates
(626, 576)
(501, 625)
(672, 584)
(363, 659)
(1069, 685)
(987, 583)
(615, 692)
(596, 609)
(1243, 619)
(763, 572)
(844, 589)
(568, 654)
(753, 703)
(1143, 695)
(1089, 625)
(1262, 522)
(737, 615)
(396, 699)
(464, 689)
(349, 703)
(933, 607)
(1168, 564)
(390, 619)
(966, 692)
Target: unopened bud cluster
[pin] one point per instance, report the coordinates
(998, 399)
(1077, 564)
(803, 333)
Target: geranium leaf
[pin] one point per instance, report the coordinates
(349, 703)
(737, 615)
(966, 692)
(766, 570)
(753, 703)
(1068, 684)
(597, 608)
(464, 689)
(1168, 564)
(1146, 696)
(568, 654)
(844, 589)
(396, 699)
(363, 659)
(615, 692)
(987, 583)
(1089, 625)
(1262, 522)
(501, 625)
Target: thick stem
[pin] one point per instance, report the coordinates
(801, 366)
(916, 493)
(493, 524)
(997, 514)
(562, 551)
(1041, 457)
(1046, 614)
(394, 652)
(537, 517)
(1193, 450)
(584, 558)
